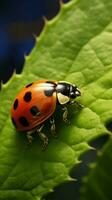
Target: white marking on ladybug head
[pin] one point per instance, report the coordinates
(62, 98)
(77, 92)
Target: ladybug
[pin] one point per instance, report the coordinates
(37, 102)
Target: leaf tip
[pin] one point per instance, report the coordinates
(71, 179)
(26, 57)
(45, 20)
(92, 148)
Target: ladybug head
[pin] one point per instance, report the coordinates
(74, 92)
(66, 91)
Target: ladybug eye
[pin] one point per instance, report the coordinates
(78, 93)
(72, 95)
(75, 94)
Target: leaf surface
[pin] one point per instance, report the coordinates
(76, 46)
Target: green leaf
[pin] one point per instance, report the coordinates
(76, 46)
(98, 184)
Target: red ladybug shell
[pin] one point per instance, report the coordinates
(33, 105)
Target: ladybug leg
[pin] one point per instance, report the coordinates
(43, 137)
(53, 127)
(29, 136)
(77, 104)
(65, 115)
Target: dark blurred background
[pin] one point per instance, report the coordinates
(19, 21)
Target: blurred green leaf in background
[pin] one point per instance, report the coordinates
(98, 183)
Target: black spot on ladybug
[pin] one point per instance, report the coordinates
(27, 97)
(15, 104)
(49, 92)
(34, 111)
(29, 85)
(13, 121)
(52, 82)
(23, 121)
